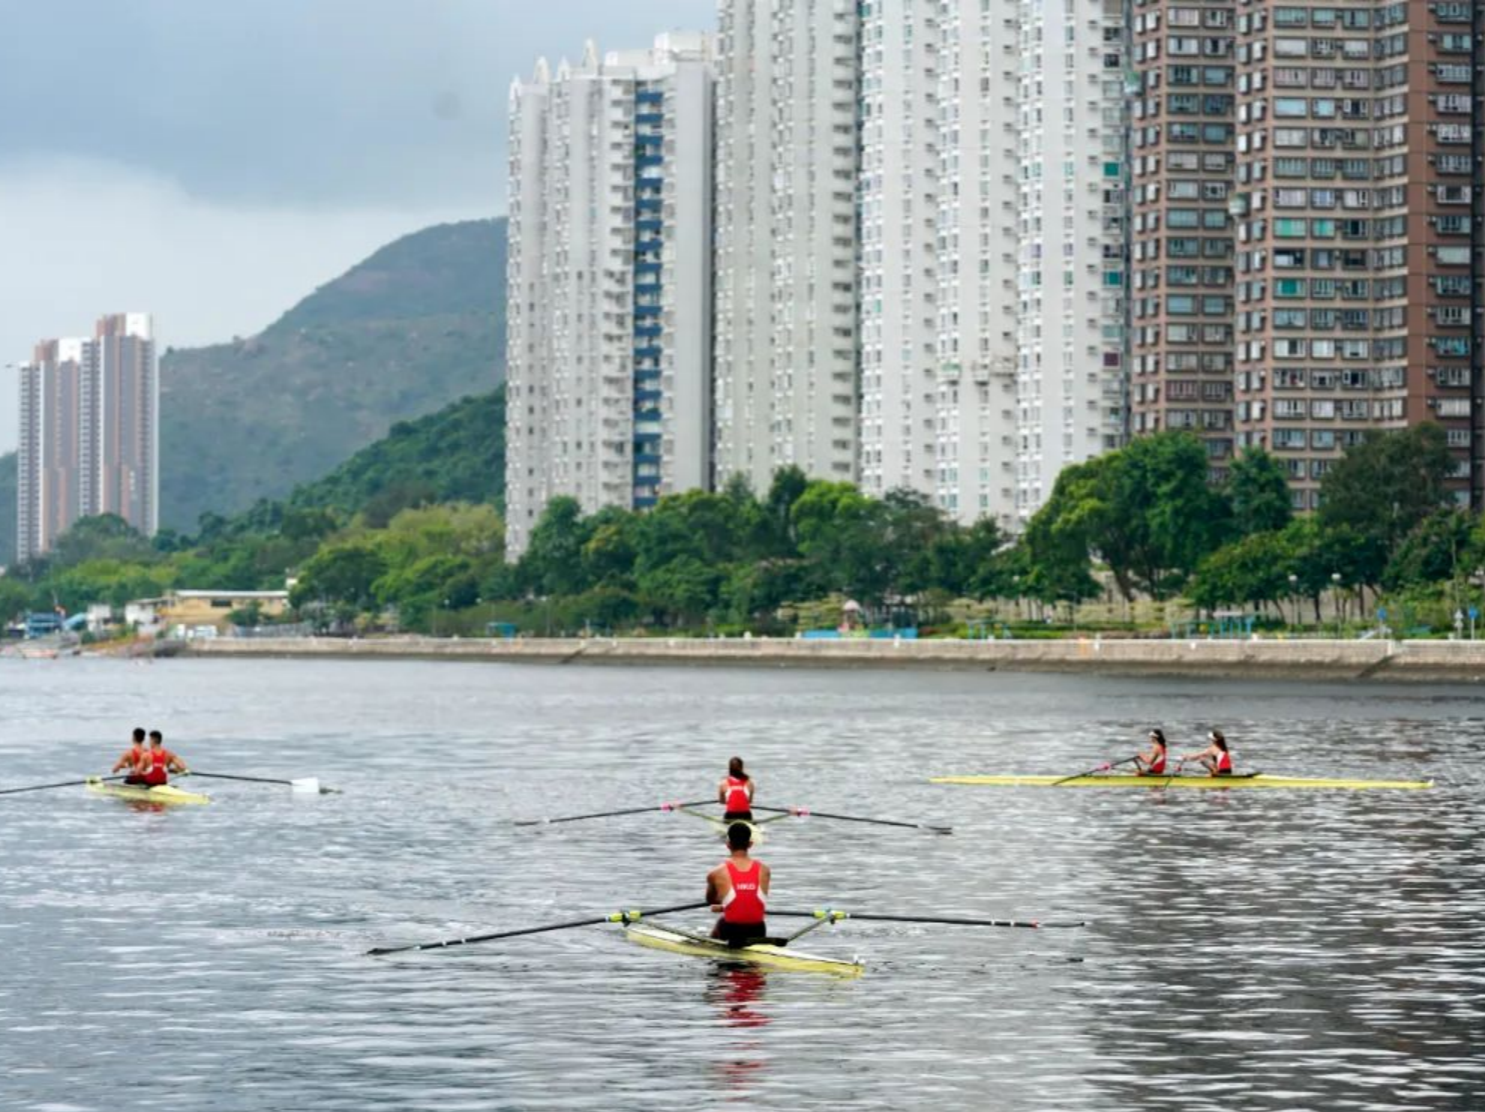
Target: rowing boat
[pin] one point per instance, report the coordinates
(719, 825)
(766, 954)
(1128, 780)
(161, 793)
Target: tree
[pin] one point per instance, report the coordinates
(1258, 491)
(344, 573)
(1386, 485)
(1252, 570)
(104, 537)
(1146, 510)
(1436, 550)
(553, 561)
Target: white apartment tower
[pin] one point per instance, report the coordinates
(1071, 390)
(978, 245)
(89, 435)
(786, 294)
(609, 299)
(898, 193)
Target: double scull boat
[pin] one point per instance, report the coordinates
(161, 793)
(1129, 780)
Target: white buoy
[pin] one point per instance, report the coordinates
(310, 785)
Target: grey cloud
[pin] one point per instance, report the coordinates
(303, 103)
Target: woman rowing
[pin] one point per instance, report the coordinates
(1153, 762)
(735, 793)
(1215, 758)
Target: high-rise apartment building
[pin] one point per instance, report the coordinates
(610, 295)
(1333, 150)
(978, 245)
(897, 190)
(1071, 396)
(89, 437)
(786, 258)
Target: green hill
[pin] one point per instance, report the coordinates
(454, 455)
(416, 326)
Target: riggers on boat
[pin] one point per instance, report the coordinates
(160, 793)
(769, 954)
(1127, 780)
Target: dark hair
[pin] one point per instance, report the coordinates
(138, 733)
(156, 735)
(1219, 741)
(735, 768)
(1159, 736)
(739, 836)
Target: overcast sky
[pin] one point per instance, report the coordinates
(211, 161)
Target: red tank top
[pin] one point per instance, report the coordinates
(1224, 762)
(737, 795)
(157, 763)
(1157, 767)
(746, 902)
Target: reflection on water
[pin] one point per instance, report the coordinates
(1246, 949)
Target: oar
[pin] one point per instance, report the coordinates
(613, 814)
(805, 812)
(1090, 772)
(63, 784)
(615, 917)
(834, 915)
(308, 785)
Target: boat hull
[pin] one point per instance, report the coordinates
(1125, 780)
(164, 793)
(762, 954)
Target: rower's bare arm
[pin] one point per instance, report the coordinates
(765, 874)
(712, 895)
(722, 792)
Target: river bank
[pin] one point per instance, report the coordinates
(1419, 661)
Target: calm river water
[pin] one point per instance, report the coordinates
(1246, 949)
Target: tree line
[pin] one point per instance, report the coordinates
(1139, 522)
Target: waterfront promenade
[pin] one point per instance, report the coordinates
(1421, 661)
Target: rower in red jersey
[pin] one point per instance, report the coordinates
(738, 890)
(133, 757)
(735, 793)
(1216, 757)
(159, 762)
(1153, 762)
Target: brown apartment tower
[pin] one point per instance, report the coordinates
(1306, 212)
(89, 437)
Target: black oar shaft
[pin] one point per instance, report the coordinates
(1091, 771)
(518, 932)
(805, 812)
(63, 784)
(945, 920)
(614, 814)
(245, 779)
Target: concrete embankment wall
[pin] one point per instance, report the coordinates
(1422, 661)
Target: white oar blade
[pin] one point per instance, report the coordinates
(310, 785)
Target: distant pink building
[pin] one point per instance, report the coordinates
(89, 437)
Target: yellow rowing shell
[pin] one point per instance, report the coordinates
(1125, 780)
(163, 793)
(759, 953)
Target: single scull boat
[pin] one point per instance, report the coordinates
(768, 954)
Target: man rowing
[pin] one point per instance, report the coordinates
(133, 757)
(159, 762)
(1153, 762)
(1215, 758)
(737, 889)
(735, 793)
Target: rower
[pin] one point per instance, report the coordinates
(1153, 762)
(159, 762)
(737, 889)
(133, 757)
(735, 793)
(1215, 758)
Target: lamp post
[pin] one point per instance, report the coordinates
(1335, 600)
(1294, 596)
